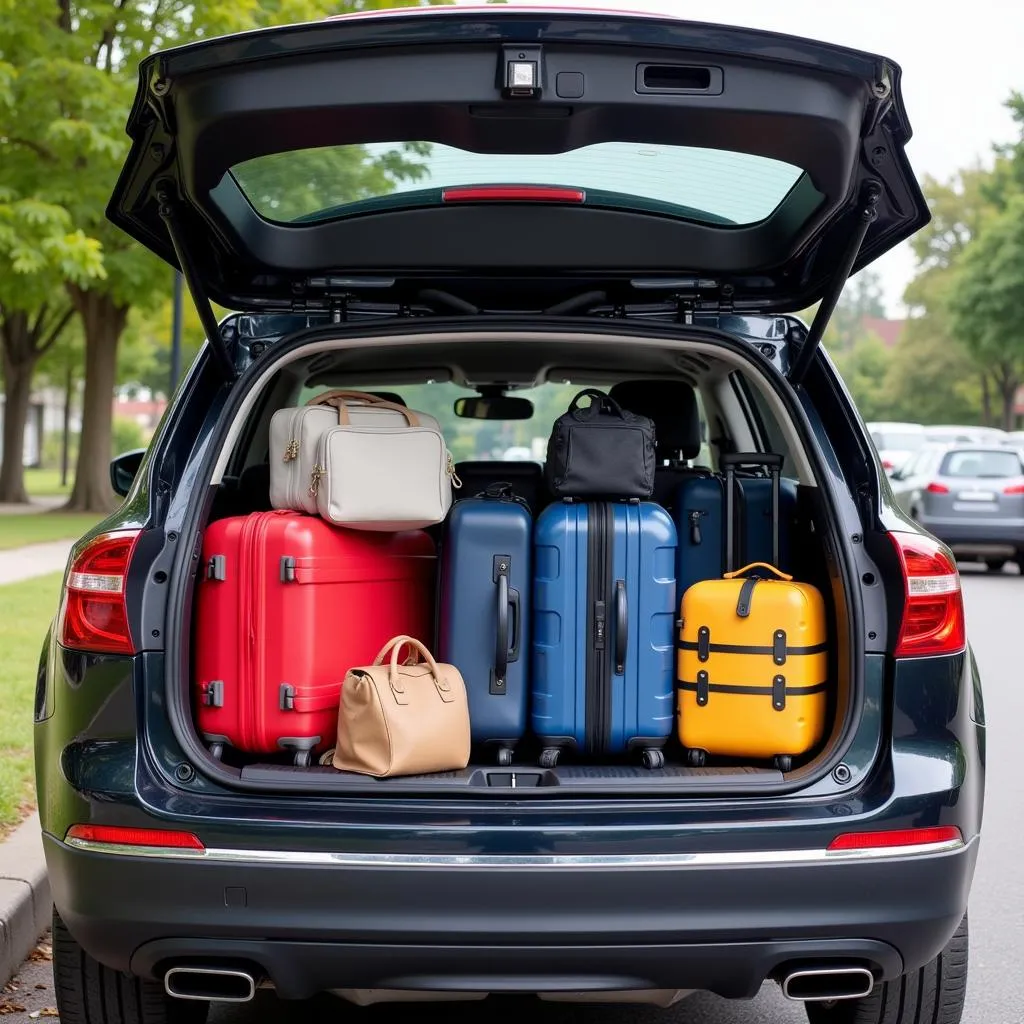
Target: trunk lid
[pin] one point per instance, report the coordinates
(282, 167)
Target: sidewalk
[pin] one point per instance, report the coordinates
(19, 564)
(36, 505)
(24, 896)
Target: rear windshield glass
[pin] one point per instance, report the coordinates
(981, 464)
(709, 185)
(893, 442)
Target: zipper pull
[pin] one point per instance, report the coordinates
(456, 482)
(291, 451)
(695, 517)
(314, 480)
(600, 627)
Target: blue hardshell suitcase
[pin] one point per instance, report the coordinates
(700, 510)
(484, 612)
(604, 608)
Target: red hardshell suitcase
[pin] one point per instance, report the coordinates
(286, 605)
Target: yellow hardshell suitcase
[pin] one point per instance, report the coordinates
(752, 660)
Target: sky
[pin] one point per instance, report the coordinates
(959, 66)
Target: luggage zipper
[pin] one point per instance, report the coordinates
(291, 453)
(599, 654)
(245, 686)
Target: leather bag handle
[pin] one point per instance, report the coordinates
(417, 652)
(341, 399)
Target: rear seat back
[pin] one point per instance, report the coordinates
(525, 478)
(672, 406)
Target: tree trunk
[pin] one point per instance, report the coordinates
(103, 322)
(1008, 385)
(986, 401)
(17, 396)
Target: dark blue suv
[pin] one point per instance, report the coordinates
(492, 203)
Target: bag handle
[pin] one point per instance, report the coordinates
(757, 565)
(417, 652)
(341, 399)
(599, 401)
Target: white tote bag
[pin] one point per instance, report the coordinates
(383, 473)
(295, 435)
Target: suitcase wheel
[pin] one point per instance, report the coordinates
(216, 751)
(303, 758)
(654, 758)
(783, 762)
(695, 757)
(504, 756)
(549, 757)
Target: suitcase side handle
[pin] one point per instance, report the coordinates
(506, 646)
(621, 627)
(757, 566)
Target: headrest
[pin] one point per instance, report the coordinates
(672, 405)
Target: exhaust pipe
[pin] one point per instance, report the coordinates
(210, 984)
(816, 985)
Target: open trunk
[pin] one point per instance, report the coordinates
(744, 405)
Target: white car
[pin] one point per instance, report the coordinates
(896, 442)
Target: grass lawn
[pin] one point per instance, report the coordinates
(36, 527)
(25, 612)
(45, 483)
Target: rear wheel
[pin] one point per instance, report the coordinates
(87, 992)
(995, 564)
(933, 995)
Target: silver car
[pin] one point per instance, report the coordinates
(971, 496)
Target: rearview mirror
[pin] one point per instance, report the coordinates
(499, 407)
(123, 470)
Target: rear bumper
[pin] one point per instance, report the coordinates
(310, 922)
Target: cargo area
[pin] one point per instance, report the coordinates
(710, 396)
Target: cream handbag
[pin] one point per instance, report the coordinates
(377, 473)
(296, 432)
(403, 719)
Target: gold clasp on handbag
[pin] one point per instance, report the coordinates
(314, 480)
(456, 482)
(291, 451)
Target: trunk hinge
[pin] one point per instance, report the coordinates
(865, 216)
(169, 212)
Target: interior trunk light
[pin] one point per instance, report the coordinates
(896, 837)
(933, 610)
(118, 835)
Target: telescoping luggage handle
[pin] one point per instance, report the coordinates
(771, 461)
(506, 648)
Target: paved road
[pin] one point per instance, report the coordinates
(996, 989)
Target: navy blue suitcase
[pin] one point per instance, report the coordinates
(604, 609)
(703, 527)
(484, 612)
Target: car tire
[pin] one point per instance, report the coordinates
(995, 564)
(88, 992)
(933, 995)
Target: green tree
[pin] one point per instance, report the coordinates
(67, 81)
(987, 300)
(865, 368)
(38, 249)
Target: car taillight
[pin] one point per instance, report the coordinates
(119, 835)
(1014, 489)
(897, 837)
(934, 488)
(933, 612)
(888, 464)
(94, 614)
(513, 194)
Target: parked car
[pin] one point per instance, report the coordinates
(604, 199)
(970, 496)
(896, 442)
(965, 434)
